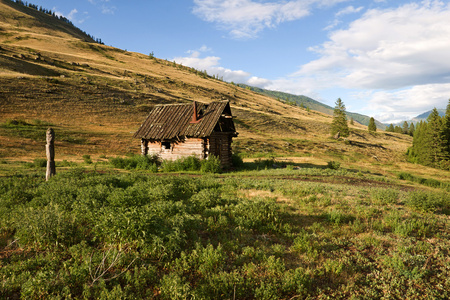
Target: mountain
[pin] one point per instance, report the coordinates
(419, 118)
(310, 103)
(96, 96)
(424, 116)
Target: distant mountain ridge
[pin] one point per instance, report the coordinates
(425, 115)
(422, 117)
(311, 104)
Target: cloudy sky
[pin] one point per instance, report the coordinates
(386, 59)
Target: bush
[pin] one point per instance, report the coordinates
(429, 201)
(192, 163)
(334, 165)
(87, 159)
(136, 162)
(424, 181)
(211, 165)
(384, 196)
(237, 161)
(39, 162)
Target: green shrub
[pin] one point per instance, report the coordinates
(424, 181)
(87, 159)
(337, 217)
(334, 165)
(136, 162)
(384, 196)
(237, 161)
(37, 163)
(429, 201)
(259, 214)
(40, 162)
(174, 287)
(211, 165)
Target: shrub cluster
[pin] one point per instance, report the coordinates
(140, 236)
(136, 162)
(153, 163)
(102, 236)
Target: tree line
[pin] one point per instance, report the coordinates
(59, 17)
(431, 141)
(405, 129)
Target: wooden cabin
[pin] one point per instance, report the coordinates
(179, 130)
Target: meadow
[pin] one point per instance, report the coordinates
(302, 215)
(254, 233)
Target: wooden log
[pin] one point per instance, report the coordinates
(50, 151)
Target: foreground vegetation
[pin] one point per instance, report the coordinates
(267, 234)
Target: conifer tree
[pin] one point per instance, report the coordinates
(390, 128)
(405, 128)
(372, 126)
(437, 141)
(446, 127)
(411, 129)
(339, 123)
(419, 151)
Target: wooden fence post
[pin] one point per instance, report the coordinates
(50, 151)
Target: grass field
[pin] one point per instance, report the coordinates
(257, 233)
(301, 216)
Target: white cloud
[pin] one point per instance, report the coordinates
(210, 64)
(400, 55)
(72, 16)
(259, 82)
(108, 10)
(105, 9)
(349, 10)
(408, 103)
(246, 18)
(389, 48)
(72, 13)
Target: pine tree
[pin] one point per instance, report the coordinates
(438, 144)
(411, 129)
(405, 128)
(339, 123)
(372, 126)
(390, 128)
(446, 127)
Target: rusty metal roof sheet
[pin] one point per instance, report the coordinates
(174, 121)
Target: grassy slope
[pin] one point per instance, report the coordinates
(96, 96)
(312, 104)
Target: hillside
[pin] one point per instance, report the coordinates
(96, 96)
(310, 103)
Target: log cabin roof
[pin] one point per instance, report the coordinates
(172, 121)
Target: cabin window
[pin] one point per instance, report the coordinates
(165, 145)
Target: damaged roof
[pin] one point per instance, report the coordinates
(172, 121)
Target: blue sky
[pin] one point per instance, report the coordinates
(386, 59)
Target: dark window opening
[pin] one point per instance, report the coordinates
(165, 145)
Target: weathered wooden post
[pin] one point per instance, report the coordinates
(50, 151)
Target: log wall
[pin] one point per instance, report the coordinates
(220, 145)
(179, 149)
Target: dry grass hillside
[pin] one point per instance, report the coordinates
(96, 96)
